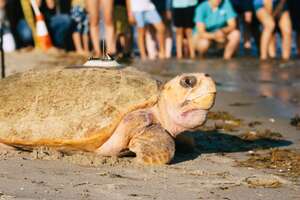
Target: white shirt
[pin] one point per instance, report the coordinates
(141, 5)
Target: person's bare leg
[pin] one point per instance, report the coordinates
(272, 46)
(110, 37)
(77, 42)
(169, 44)
(169, 38)
(185, 47)
(121, 41)
(202, 45)
(247, 32)
(179, 42)
(151, 42)
(189, 35)
(85, 41)
(92, 7)
(285, 26)
(268, 27)
(141, 42)
(160, 34)
(232, 44)
(127, 43)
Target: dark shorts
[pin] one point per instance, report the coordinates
(184, 17)
(242, 6)
(294, 6)
(160, 5)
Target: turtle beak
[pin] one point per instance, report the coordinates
(201, 102)
(203, 97)
(205, 102)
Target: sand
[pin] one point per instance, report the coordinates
(246, 150)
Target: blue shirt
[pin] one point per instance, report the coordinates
(183, 3)
(214, 19)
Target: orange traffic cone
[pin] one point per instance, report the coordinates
(42, 34)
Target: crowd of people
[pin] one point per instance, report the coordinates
(195, 26)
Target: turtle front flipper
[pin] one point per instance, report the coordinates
(153, 146)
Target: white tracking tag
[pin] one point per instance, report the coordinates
(106, 62)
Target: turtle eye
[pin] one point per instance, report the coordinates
(188, 81)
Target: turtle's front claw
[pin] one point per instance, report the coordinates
(158, 159)
(154, 146)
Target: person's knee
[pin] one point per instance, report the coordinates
(24, 32)
(160, 27)
(141, 31)
(188, 32)
(60, 22)
(202, 45)
(179, 31)
(269, 25)
(108, 20)
(66, 20)
(286, 31)
(94, 21)
(25, 36)
(248, 17)
(235, 35)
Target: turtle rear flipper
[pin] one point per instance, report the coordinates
(6, 148)
(153, 146)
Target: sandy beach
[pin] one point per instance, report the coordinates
(248, 148)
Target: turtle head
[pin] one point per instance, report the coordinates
(185, 101)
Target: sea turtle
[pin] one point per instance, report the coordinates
(106, 111)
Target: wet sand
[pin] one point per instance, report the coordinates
(247, 149)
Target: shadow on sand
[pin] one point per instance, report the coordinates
(219, 142)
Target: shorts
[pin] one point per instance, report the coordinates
(242, 6)
(80, 21)
(184, 17)
(121, 20)
(143, 18)
(258, 4)
(294, 6)
(160, 5)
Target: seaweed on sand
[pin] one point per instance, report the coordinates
(224, 121)
(256, 135)
(296, 121)
(285, 162)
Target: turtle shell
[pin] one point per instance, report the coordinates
(76, 108)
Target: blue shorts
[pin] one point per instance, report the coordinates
(258, 4)
(80, 22)
(146, 17)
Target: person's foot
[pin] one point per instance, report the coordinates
(192, 55)
(26, 49)
(143, 57)
(96, 54)
(82, 53)
(272, 55)
(285, 58)
(263, 58)
(179, 57)
(161, 55)
(226, 57)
